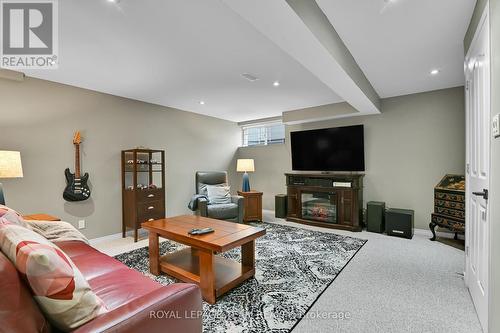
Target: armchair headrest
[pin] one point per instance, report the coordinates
(204, 178)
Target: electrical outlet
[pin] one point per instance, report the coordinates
(496, 126)
(81, 224)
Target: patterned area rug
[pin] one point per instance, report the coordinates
(293, 267)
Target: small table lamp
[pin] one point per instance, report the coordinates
(10, 167)
(245, 165)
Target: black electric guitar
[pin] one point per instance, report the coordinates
(76, 186)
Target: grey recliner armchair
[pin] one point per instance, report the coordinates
(233, 211)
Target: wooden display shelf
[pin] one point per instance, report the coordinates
(141, 205)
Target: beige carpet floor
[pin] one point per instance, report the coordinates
(391, 285)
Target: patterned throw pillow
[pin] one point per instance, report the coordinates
(10, 216)
(58, 286)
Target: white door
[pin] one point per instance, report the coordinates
(477, 71)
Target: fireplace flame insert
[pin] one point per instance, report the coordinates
(319, 206)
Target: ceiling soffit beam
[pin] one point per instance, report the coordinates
(303, 31)
(319, 24)
(261, 121)
(319, 113)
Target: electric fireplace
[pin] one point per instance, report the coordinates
(319, 206)
(331, 200)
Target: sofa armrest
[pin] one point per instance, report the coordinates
(202, 207)
(174, 308)
(240, 201)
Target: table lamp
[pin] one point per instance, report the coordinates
(10, 167)
(245, 165)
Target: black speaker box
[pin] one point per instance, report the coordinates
(280, 206)
(399, 222)
(375, 216)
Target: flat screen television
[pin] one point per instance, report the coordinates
(330, 149)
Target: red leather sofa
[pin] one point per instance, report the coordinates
(135, 302)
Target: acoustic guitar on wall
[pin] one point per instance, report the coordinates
(76, 185)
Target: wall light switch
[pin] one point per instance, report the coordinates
(496, 126)
(81, 224)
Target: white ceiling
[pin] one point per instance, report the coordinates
(179, 52)
(398, 42)
(294, 28)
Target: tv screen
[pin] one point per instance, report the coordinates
(331, 149)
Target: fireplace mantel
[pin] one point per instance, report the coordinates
(332, 200)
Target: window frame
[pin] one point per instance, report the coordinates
(267, 126)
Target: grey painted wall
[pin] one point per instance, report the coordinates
(38, 118)
(409, 147)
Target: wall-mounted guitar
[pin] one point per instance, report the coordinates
(76, 186)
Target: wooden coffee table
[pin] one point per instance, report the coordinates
(198, 263)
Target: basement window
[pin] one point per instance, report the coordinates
(263, 134)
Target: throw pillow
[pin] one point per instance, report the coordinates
(218, 194)
(10, 216)
(203, 189)
(58, 286)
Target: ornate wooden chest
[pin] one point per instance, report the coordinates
(449, 205)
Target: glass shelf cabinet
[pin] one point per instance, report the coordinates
(143, 187)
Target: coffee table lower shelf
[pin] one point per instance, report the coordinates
(224, 275)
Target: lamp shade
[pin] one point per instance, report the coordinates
(245, 165)
(10, 164)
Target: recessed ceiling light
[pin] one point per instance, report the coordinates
(202, 102)
(114, 1)
(435, 72)
(276, 83)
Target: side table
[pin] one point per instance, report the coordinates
(253, 205)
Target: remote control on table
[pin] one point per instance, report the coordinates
(201, 231)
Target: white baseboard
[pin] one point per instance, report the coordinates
(97, 240)
(423, 232)
(269, 217)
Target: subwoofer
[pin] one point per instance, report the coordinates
(280, 206)
(399, 222)
(375, 216)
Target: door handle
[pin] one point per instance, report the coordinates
(483, 194)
